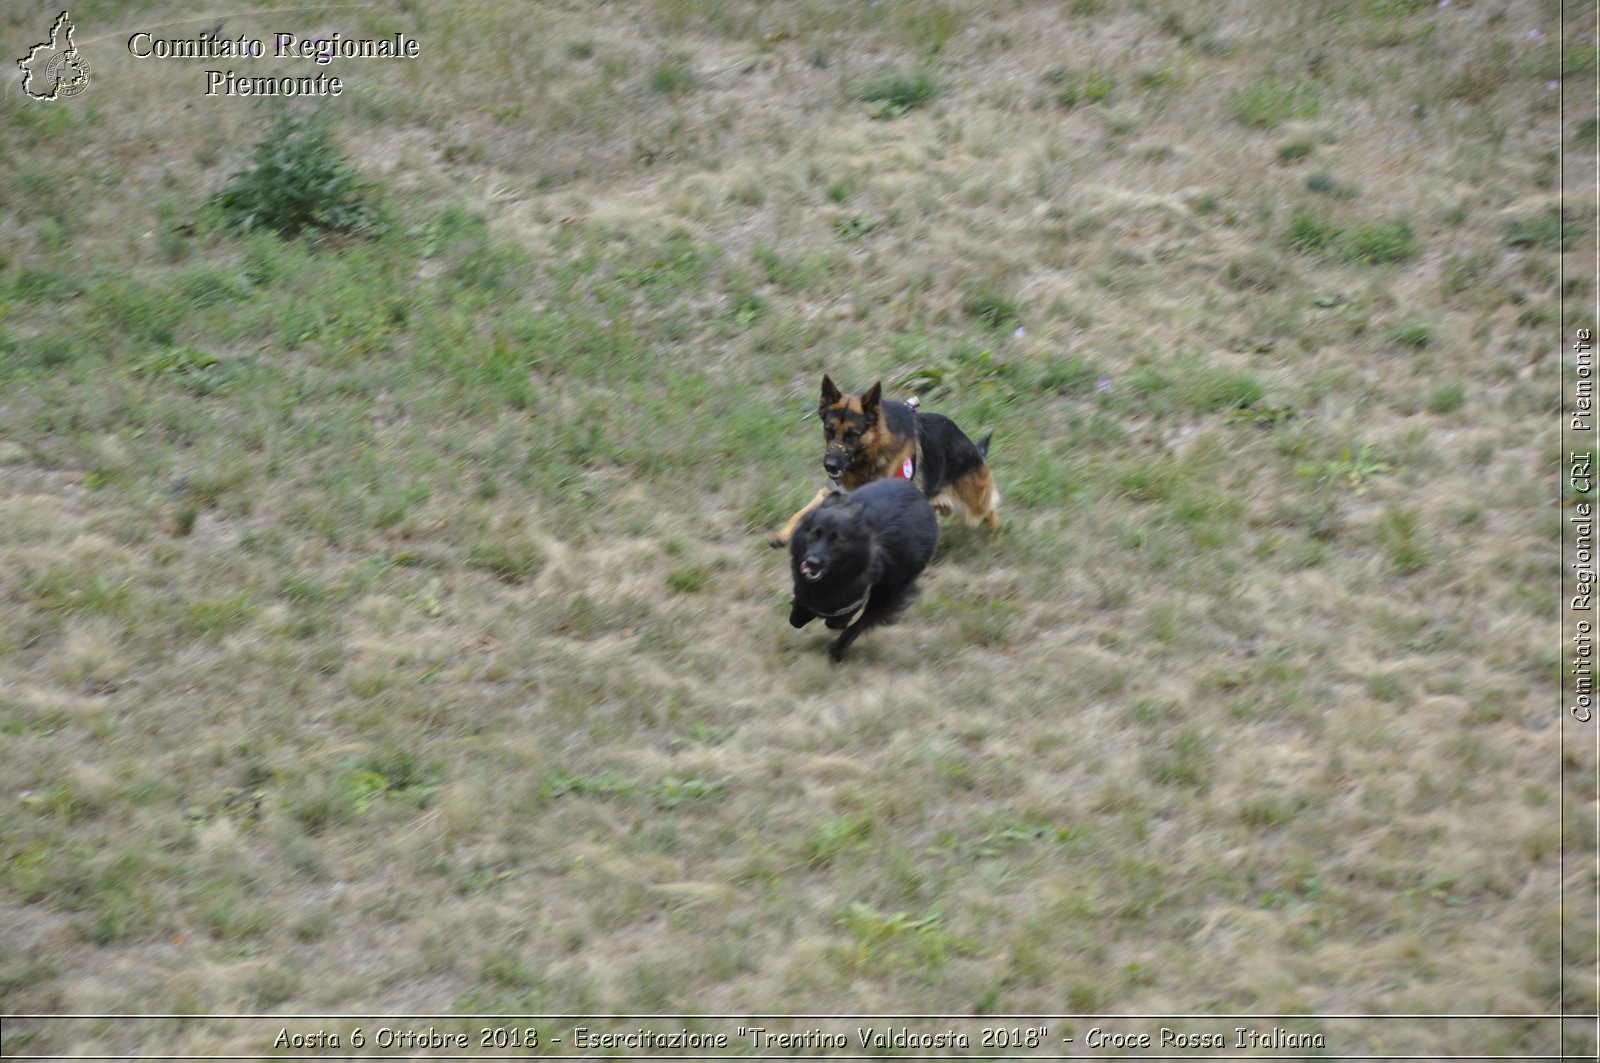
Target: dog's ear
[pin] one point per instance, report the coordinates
(830, 393)
(869, 403)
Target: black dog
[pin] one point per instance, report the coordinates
(861, 551)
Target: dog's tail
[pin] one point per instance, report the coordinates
(983, 445)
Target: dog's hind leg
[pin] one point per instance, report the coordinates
(978, 498)
(883, 607)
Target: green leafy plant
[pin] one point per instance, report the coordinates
(298, 180)
(1353, 470)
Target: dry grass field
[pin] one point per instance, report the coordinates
(385, 618)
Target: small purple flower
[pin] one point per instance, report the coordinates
(1444, 3)
(1551, 86)
(1103, 386)
(1018, 332)
(1534, 35)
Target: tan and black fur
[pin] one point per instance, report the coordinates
(868, 437)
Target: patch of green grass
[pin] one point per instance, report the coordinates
(1378, 243)
(40, 354)
(208, 286)
(1086, 88)
(1324, 183)
(968, 365)
(1268, 103)
(514, 560)
(196, 371)
(1447, 398)
(559, 783)
(1271, 810)
(689, 579)
(139, 313)
(1310, 232)
(1400, 531)
(982, 623)
(77, 589)
(1190, 383)
(673, 76)
(897, 942)
(1157, 79)
(1394, 9)
(855, 227)
(212, 617)
(989, 307)
(1061, 374)
(674, 791)
(792, 272)
(1360, 243)
(1295, 150)
(32, 285)
(892, 92)
(1259, 271)
(1462, 273)
(835, 836)
(1410, 334)
(229, 914)
(1550, 229)
(322, 799)
(1554, 62)
(929, 26)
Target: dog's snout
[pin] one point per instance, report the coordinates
(833, 462)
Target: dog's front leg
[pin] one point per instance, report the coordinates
(842, 643)
(779, 539)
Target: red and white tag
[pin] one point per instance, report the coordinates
(904, 471)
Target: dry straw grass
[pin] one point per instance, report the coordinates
(387, 625)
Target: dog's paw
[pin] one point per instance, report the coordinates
(777, 540)
(836, 653)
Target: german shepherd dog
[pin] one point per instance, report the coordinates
(861, 553)
(869, 438)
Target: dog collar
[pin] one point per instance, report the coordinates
(847, 610)
(906, 470)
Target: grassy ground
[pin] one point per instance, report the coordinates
(386, 621)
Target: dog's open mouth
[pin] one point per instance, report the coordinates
(811, 572)
(834, 475)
